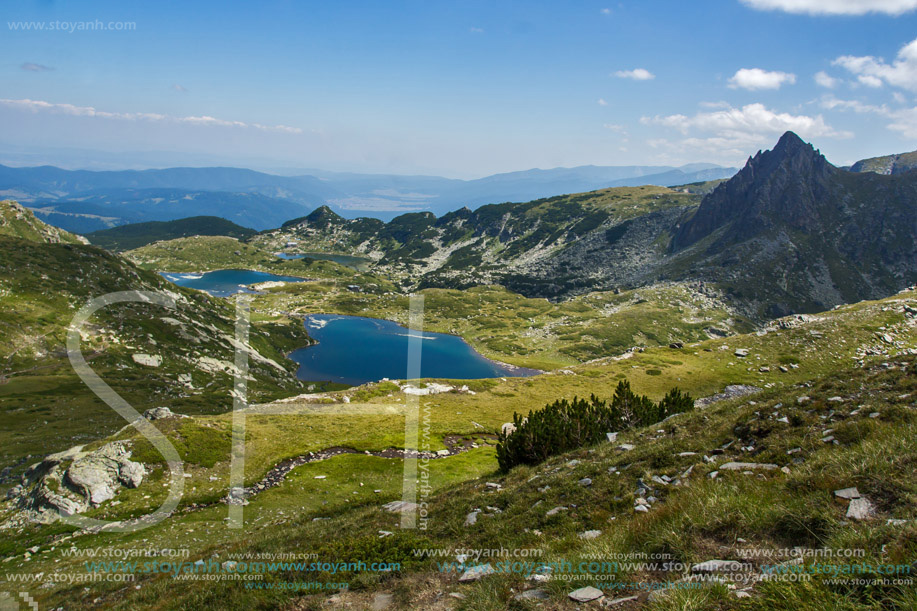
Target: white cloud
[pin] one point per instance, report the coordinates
(36, 106)
(902, 120)
(476, 30)
(30, 67)
(873, 71)
(823, 79)
(637, 74)
(832, 103)
(179, 88)
(835, 7)
(614, 127)
(602, 102)
(750, 123)
(870, 81)
(606, 11)
(755, 78)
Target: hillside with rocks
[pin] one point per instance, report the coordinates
(790, 233)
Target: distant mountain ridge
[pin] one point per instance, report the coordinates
(67, 193)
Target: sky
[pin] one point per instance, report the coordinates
(457, 89)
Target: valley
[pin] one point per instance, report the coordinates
(783, 300)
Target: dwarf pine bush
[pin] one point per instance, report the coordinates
(566, 425)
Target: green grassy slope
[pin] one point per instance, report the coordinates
(17, 221)
(47, 408)
(869, 409)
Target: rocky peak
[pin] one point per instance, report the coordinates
(322, 213)
(781, 186)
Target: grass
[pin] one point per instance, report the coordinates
(703, 519)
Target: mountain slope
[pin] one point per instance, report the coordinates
(887, 164)
(44, 404)
(127, 237)
(791, 232)
(17, 221)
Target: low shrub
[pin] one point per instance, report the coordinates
(566, 425)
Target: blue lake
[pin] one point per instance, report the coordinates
(355, 262)
(355, 350)
(225, 282)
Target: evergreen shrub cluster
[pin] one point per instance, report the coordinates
(566, 425)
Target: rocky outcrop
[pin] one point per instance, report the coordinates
(792, 233)
(73, 481)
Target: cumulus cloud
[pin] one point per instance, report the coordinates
(179, 88)
(754, 79)
(835, 7)
(602, 102)
(637, 74)
(874, 71)
(37, 106)
(30, 67)
(474, 30)
(823, 79)
(750, 121)
(728, 134)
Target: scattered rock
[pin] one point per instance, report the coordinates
(149, 360)
(741, 352)
(732, 391)
(584, 595)
(847, 494)
(590, 534)
(585, 482)
(158, 413)
(555, 511)
(476, 572)
(472, 518)
(860, 509)
(627, 447)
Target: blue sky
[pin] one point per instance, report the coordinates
(460, 89)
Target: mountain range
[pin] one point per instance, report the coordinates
(789, 233)
(84, 201)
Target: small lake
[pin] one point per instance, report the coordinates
(226, 282)
(355, 262)
(355, 350)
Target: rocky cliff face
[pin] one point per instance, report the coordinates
(785, 187)
(791, 233)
